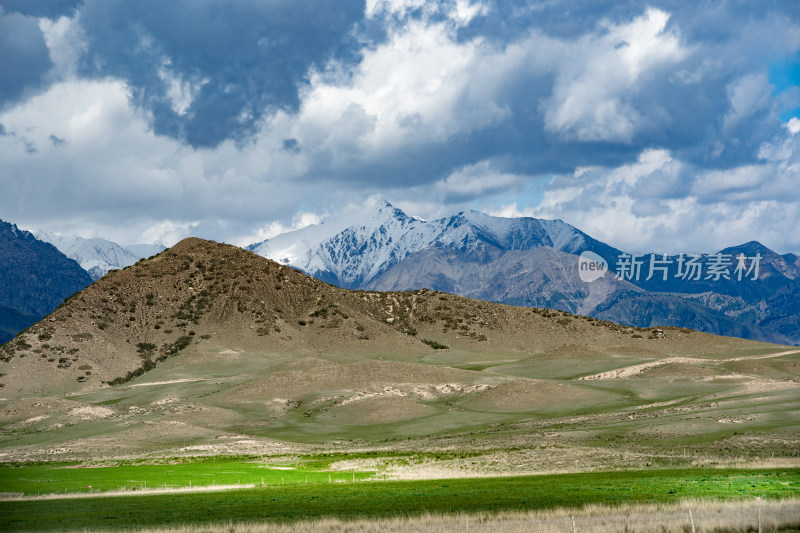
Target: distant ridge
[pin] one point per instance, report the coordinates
(354, 250)
(34, 279)
(98, 256)
(499, 259)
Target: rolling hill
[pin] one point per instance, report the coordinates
(207, 348)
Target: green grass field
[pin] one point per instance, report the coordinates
(392, 498)
(72, 478)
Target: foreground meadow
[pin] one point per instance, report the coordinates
(706, 515)
(392, 500)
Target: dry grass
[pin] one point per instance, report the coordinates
(707, 516)
(354, 377)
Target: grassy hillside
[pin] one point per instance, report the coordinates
(209, 349)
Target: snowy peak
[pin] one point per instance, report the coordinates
(525, 233)
(352, 250)
(96, 256)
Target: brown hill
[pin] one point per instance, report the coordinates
(208, 340)
(200, 293)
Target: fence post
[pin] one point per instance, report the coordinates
(758, 499)
(573, 524)
(691, 520)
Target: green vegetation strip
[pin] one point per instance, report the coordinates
(390, 498)
(46, 478)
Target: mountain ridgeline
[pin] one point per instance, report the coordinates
(36, 278)
(210, 349)
(532, 262)
(204, 297)
(98, 256)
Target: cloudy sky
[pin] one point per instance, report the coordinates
(662, 125)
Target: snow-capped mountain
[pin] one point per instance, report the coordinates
(353, 250)
(96, 256)
(532, 262)
(34, 279)
(350, 250)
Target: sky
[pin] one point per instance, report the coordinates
(666, 126)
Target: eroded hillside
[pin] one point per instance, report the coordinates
(207, 348)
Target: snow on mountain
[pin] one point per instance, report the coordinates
(96, 256)
(352, 250)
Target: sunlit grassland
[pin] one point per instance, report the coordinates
(71, 478)
(380, 499)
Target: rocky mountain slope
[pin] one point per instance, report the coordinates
(34, 279)
(533, 262)
(97, 256)
(199, 292)
(353, 251)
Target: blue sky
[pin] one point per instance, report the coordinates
(661, 125)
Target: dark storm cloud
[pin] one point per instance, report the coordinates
(24, 58)
(708, 103)
(230, 61)
(687, 100)
(648, 106)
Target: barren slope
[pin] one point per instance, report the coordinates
(212, 349)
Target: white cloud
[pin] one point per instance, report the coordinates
(65, 42)
(461, 11)
(475, 180)
(167, 232)
(510, 211)
(590, 96)
(627, 207)
(181, 92)
(419, 87)
(110, 169)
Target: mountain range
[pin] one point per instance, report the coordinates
(533, 262)
(97, 256)
(39, 269)
(36, 278)
(211, 349)
(518, 261)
